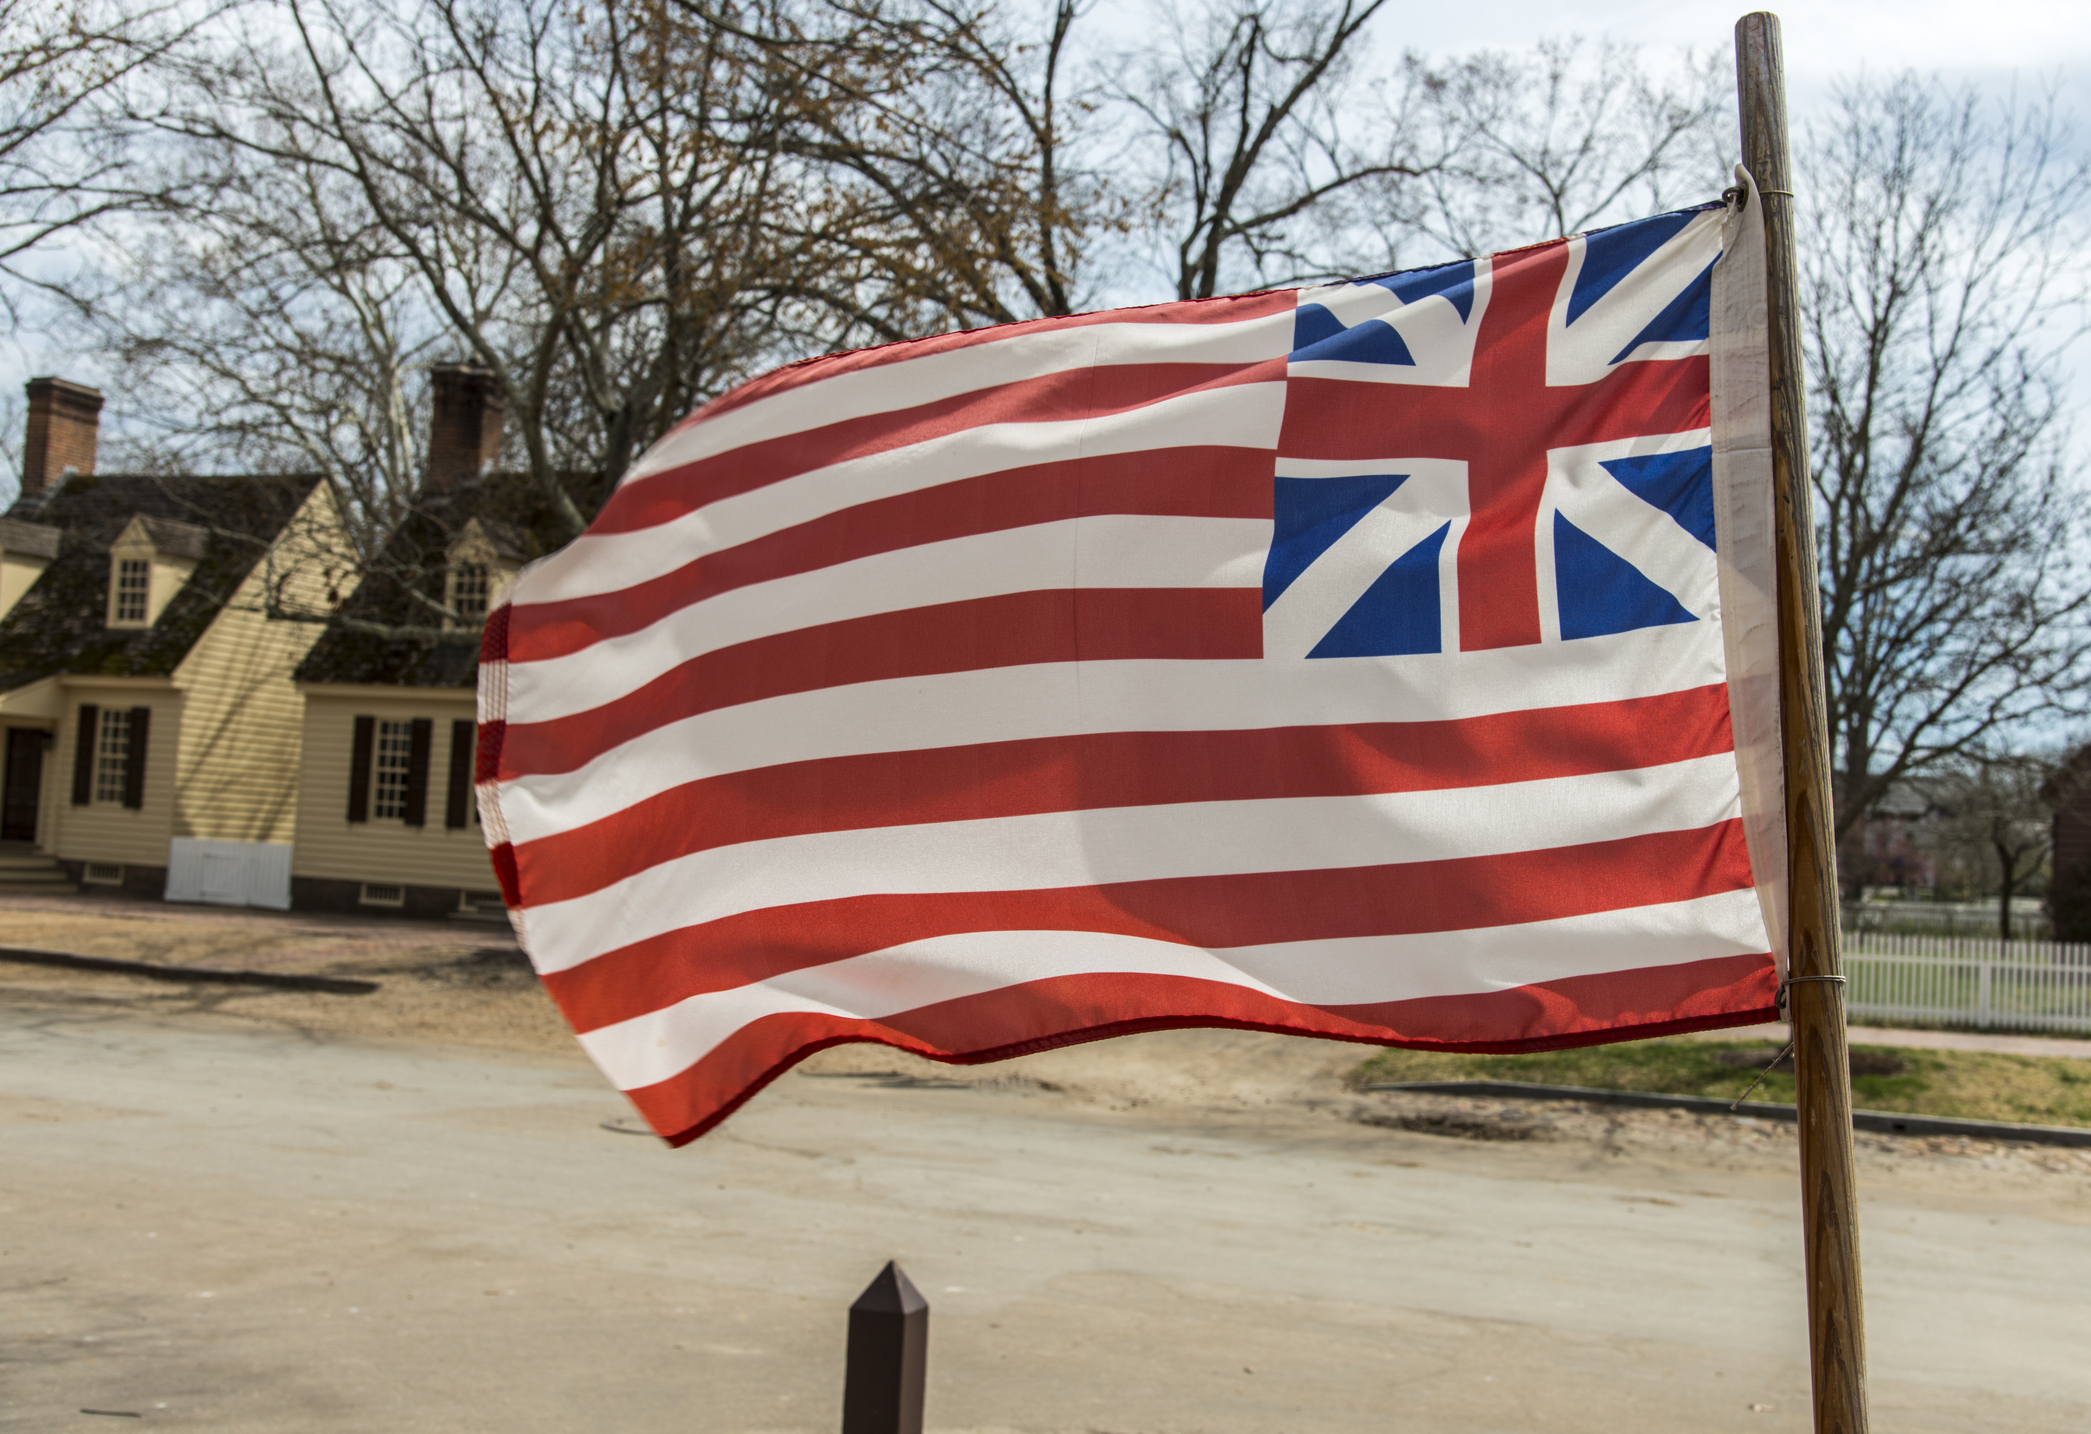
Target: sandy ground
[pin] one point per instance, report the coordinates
(425, 963)
(454, 982)
(231, 1209)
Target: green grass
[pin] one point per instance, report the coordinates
(1973, 1085)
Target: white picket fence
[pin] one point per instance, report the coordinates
(1966, 981)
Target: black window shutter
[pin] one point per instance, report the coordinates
(83, 754)
(416, 803)
(359, 769)
(457, 802)
(134, 758)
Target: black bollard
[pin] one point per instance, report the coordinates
(888, 1357)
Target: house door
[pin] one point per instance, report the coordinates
(24, 780)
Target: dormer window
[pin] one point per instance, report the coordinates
(481, 560)
(133, 591)
(148, 564)
(469, 590)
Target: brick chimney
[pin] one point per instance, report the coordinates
(65, 420)
(464, 435)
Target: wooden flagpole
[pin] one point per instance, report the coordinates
(1815, 994)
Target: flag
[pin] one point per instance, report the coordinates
(1384, 660)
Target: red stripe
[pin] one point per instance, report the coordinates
(1122, 769)
(1015, 629)
(493, 650)
(1086, 392)
(1345, 419)
(505, 873)
(1216, 912)
(1066, 1010)
(1234, 309)
(1194, 482)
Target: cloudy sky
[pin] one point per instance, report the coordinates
(2025, 43)
(1824, 38)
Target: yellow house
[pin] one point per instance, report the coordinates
(387, 812)
(151, 724)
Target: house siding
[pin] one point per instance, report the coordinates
(108, 831)
(243, 717)
(330, 848)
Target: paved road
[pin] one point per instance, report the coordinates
(227, 1229)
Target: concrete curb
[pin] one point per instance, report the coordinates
(1882, 1121)
(278, 980)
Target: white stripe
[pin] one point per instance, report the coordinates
(648, 1049)
(1241, 416)
(1061, 699)
(1582, 352)
(1117, 844)
(1110, 551)
(909, 383)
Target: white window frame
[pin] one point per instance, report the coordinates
(471, 592)
(112, 756)
(130, 602)
(391, 766)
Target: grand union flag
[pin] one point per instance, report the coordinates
(1364, 661)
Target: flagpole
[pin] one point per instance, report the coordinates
(1815, 993)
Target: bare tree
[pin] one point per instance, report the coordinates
(1990, 826)
(68, 121)
(939, 147)
(1554, 141)
(1272, 148)
(1943, 276)
(583, 205)
(275, 328)
(1563, 138)
(620, 211)
(974, 169)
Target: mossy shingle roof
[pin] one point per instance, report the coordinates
(404, 588)
(60, 625)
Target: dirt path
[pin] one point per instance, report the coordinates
(444, 981)
(220, 1219)
(466, 987)
(227, 936)
(244, 1210)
